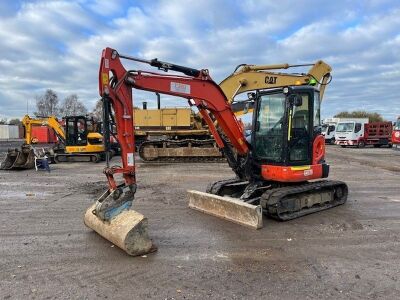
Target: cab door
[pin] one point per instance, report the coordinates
(301, 130)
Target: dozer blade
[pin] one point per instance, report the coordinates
(227, 208)
(19, 159)
(126, 228)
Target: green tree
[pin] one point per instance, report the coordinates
(372, 116)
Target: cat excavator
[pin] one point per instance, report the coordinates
(192, 144)
(276, 170)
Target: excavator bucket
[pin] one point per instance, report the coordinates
(19, 159)
(123, 227)
(227, 208)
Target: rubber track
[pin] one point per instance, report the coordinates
(180, 159)
(64, 157)
(271, 200)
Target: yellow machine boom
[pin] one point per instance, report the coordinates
(50, 122)
(257, 77)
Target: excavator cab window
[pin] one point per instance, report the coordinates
(76, 131)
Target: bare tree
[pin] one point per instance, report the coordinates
(47, 104)
(97, 112)
(71, 106)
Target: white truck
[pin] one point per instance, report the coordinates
(329, 129)
(349, 131)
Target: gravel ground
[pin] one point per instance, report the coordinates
(348, 252)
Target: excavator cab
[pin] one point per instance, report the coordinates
(285, 122)
(76, 131)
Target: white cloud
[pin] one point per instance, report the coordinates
(57, 44)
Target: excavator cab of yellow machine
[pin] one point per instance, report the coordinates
(82, 142)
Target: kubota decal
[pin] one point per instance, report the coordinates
(180, 88)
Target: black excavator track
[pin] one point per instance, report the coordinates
(75, 157)
(185, 150)
(291, 202)
(285, 201)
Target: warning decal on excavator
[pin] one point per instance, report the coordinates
(180, 88)
(104, 78)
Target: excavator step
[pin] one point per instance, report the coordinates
(227, 208)
(127, 230)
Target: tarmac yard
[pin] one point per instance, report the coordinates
(348, 252)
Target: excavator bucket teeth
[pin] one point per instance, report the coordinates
(127, 230)
(227, 208)
(19, 159)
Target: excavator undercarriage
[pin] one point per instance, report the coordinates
(284, 201)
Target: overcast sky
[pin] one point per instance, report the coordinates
(57, 45)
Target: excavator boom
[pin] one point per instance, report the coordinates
(257, 77)
(50, 122)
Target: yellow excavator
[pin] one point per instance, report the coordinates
(82, 142)
(79, 142)
(182, 135)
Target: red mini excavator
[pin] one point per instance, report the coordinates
(273, 168)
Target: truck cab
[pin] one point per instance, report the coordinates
(396, 134)
(350, 132)
(328, 131)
